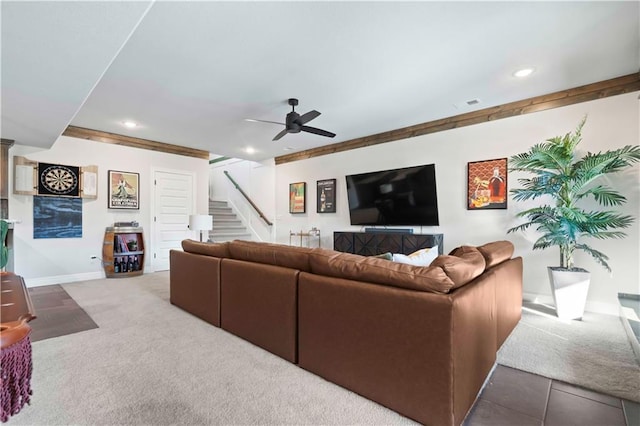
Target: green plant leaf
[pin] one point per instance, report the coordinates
(599, 257)
(565, 180)
(603, 195)
(4, 251)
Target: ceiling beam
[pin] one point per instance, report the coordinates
(589, 92)
(113, 138)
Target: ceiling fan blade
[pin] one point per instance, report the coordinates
(253, 120)
(317, 131)
(281, 134)
(305, 118)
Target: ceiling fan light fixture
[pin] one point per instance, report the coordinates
(523, 72)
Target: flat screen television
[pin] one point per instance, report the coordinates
(404, 196)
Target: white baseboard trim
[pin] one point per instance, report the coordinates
(596, 307)
(63, 279)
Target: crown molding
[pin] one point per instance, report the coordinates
(116, 139)
(589, 92)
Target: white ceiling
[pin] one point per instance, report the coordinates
(191, 72)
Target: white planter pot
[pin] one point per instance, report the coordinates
(569, 289)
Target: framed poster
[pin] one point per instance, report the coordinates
(297, 194)
(124, 190)
(487, 184)
(326, 196)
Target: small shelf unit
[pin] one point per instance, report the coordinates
(122, 243)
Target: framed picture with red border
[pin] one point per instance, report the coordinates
(487, 184)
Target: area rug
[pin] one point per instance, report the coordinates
(57, 314)
(593, 353)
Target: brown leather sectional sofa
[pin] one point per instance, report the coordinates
(418, 340)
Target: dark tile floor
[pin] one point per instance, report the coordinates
(57, 313)
(511, 397)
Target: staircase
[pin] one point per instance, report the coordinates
(226, 225)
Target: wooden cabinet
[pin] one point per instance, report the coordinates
(123, 252)
(372, 243)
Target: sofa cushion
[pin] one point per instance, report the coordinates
(496, 252)
(271, 254)
(462, 265)
(379, 271)
(422, 257)
(207, 249)
(386, 256)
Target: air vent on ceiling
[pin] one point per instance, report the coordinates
(468, 103)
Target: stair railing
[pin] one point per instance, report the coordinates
(262, 216)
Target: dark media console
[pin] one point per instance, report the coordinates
(372, 243)
(389, 231)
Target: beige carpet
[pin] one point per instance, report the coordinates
(593, 353)
(151, 363)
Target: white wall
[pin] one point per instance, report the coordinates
(257, 180)
(51, 261)
(612, 123)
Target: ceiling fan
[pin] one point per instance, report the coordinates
(295, 123)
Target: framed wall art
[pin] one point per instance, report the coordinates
(487, 184)
(326, 196)
(297, 194)
(57, 217)
(124, 190)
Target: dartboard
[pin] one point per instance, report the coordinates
(59, 180)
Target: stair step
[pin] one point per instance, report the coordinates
(218, 210)
(223, 215)
(227, 220)
(217, 236)
(226, 224)
(239, 229)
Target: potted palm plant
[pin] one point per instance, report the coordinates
(566, 181)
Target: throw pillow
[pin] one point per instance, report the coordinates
(422, 257)
(385, 256)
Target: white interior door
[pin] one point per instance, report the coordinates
(173, 203)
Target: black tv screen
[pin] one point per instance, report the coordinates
(394, 197)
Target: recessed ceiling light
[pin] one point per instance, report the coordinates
(524, 72)
(249, 150)
(287, 148)
(129, 124)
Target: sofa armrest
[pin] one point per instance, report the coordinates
(508, 297)
(194, 284)
(473, 340)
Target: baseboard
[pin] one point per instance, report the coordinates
(596, 307)
(63, 279)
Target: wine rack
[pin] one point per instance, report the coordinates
(123, 252)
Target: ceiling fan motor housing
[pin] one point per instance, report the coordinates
(292, 125)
